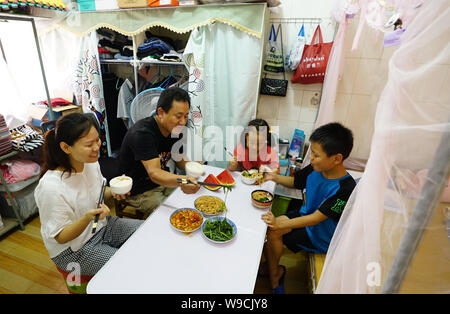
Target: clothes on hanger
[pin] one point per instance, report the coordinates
(126, 96)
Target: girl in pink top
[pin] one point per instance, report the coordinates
(255, 150)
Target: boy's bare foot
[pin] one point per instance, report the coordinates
(263, 270)
(279, 278)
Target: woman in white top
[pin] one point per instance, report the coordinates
(67, 196)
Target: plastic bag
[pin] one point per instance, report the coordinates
(274, 52)
(312, 67)
(295, 54)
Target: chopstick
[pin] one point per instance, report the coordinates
(229, 153)
(100, 200)
(185, 181)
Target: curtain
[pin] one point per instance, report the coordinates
(412, 117)
(21, 81)
(72, 68)
(226, 94)
(243, 17)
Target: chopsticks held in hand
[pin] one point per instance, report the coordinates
(185, 181)
(229, 153)
(100, 200)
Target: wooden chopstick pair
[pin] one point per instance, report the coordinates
(229, 153)
(185, 181)
(100, 201)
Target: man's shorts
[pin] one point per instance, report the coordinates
(296, 236)
(148, 201)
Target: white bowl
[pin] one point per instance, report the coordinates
(247, 180)
(121, 185)
(194, 169)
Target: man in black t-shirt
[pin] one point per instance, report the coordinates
(146, 154)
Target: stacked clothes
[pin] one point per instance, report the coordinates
(158, 47)
(153, 47)
(19, 170)
(112, 45)
(25, 138)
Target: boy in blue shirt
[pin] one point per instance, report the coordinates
(328, 187)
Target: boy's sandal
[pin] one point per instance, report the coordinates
(280, 288)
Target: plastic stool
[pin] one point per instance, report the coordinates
(75, 289)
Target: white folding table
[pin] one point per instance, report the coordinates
(159, 259)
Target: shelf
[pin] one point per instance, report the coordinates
(223, 4)
(8, 155)
(131, 62)
(8, 224)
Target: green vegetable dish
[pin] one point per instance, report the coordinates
(218, 230)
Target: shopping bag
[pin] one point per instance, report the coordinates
(313, 64)
(296, 52)
(274, 52)
(273, 86)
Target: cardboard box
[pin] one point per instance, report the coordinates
(132, 3)
(97, 5)
(40, 114)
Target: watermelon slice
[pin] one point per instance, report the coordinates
(212, 179)
(225, 178)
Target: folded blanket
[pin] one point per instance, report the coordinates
(25, 139)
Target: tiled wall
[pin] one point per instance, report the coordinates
(299, 108)
(364, 77)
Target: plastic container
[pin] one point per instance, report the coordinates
(280, 205)
(298, 140)
(283, 148)
(162, 3)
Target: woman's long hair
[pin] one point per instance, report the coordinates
(68, 129)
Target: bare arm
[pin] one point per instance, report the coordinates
(279, 179)
(167, 179)
(159, 176)
(74, 230)
(294, 223)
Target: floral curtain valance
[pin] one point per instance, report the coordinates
(247, 18)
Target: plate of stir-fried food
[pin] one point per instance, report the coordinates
(186, 220)
(210, 205)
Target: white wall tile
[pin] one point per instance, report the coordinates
(309, 107)
(268, 107)
(341, 108)
(350, 70)
(372, 46)
(366, 77)
(289, 107)
(348, 43)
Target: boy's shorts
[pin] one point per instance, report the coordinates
(296, 236)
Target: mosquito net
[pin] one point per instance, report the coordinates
(387, 239)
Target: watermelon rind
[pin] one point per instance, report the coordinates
(222, 179)
(212, 188)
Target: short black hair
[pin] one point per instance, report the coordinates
(169, 95)
(334, 138)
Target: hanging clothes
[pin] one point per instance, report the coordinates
(126, 96)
